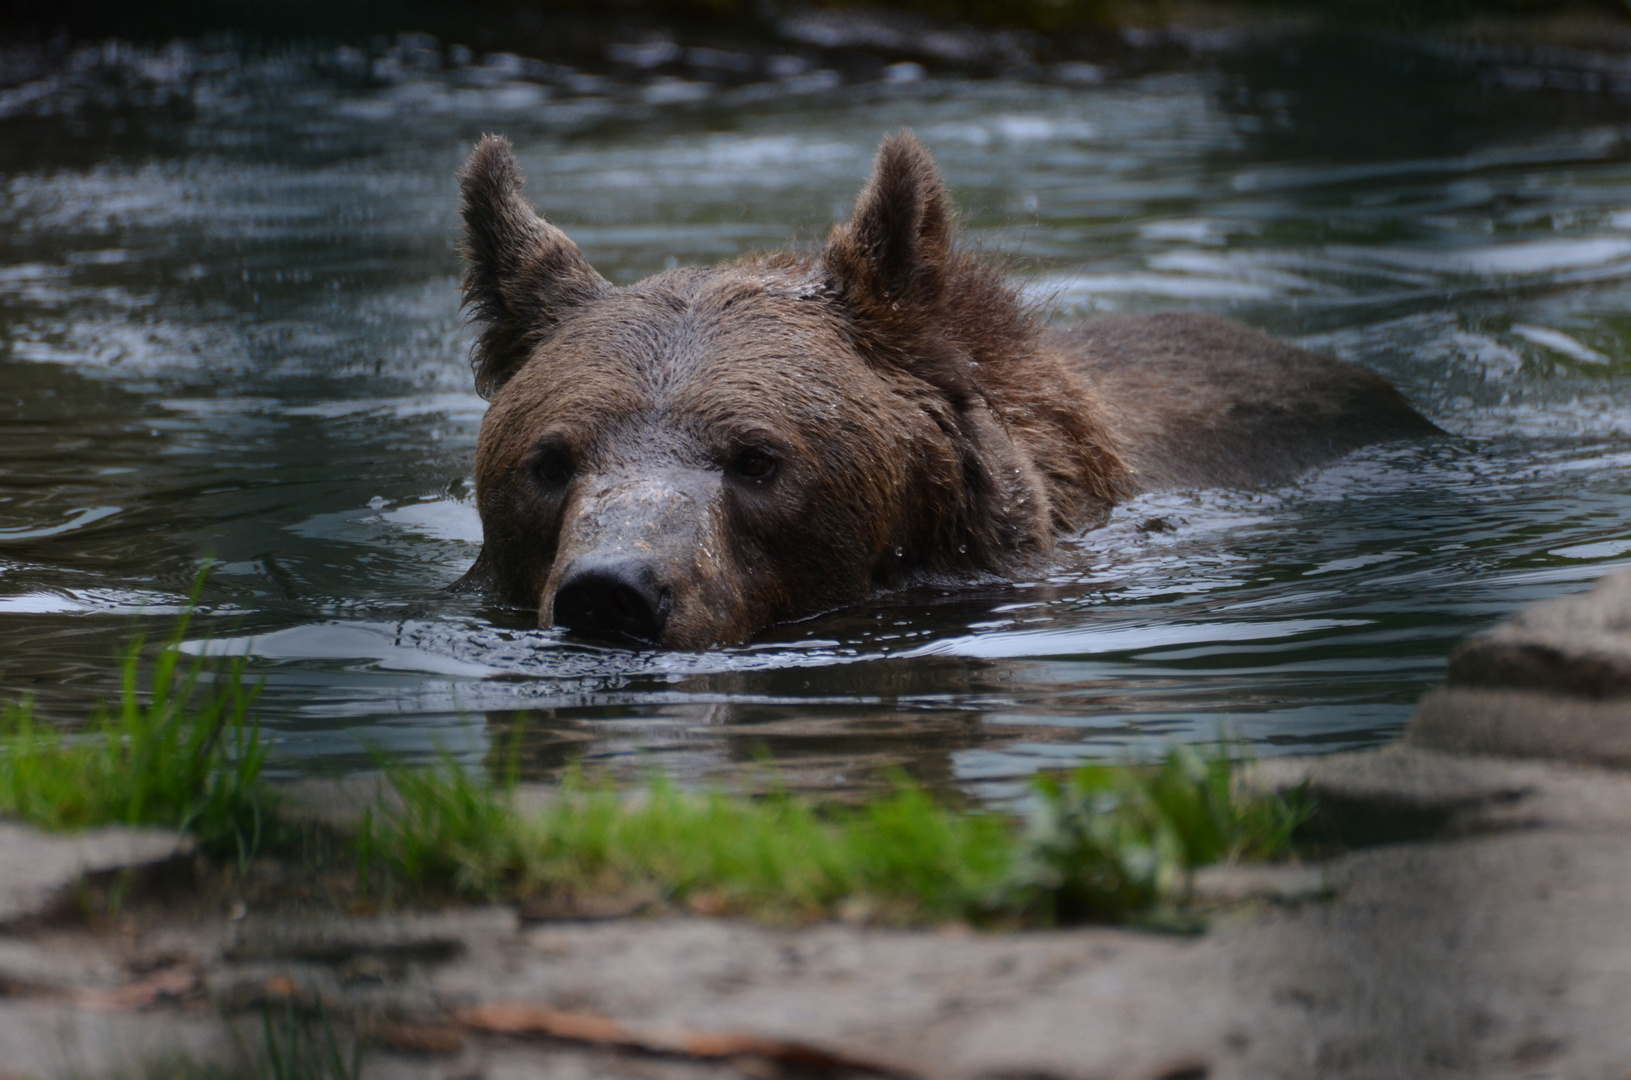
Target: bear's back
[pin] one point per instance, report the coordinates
(1202, 401)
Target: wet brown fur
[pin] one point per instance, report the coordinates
(923, 421)
(1202, 401)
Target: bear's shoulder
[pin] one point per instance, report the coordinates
(1198, 400)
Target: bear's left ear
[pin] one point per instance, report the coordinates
(524, 275)
(892, 253)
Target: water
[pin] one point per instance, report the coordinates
(229, 328)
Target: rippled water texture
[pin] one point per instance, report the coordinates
(229, 328)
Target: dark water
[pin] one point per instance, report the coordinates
(229, 328)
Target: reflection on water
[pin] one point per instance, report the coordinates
(229, 327)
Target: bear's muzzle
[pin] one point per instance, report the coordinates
(639, 562)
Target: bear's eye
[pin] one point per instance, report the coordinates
(551, 464)
(755, 464)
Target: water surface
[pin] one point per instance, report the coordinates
(229, 329)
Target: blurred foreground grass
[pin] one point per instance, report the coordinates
(1100, 843)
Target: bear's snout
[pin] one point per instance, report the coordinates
(637, 562)
(617, 599)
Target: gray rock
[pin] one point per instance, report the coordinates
(44, 1039)
(1526, 724)
(1579, 645)
(1396, 778)
(1553, 682)
(1405, 792)
(38, 870)
(1397, 793)
(1493, 954)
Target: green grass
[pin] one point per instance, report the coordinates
(181, 752)
(1107, 841)
(778, 857)
(1104, 843)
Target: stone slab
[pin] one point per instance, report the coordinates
(1578, 645)
(38, 870)
(1399, 792)
(1400, 777)
(1524, 724)
(46, 1039)
(1406, 792)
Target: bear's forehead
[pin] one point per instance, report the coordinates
(695, 338)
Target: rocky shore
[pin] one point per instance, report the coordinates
(1470, 923)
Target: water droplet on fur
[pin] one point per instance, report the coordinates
(962, 549)
(900, 553)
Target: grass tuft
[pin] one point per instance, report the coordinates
(182, 753)
(1104, 843)
(779, 858)
(1107, 841)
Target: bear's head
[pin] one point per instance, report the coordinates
(689, 459)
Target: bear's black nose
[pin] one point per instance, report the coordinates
(612, 600)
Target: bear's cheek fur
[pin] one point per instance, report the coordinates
(520, 531)
(520, 522)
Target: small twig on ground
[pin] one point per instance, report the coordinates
(523, 1020)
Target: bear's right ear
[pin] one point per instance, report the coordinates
(889, 259)
(524, 276)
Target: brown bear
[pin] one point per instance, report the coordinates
(690, 459)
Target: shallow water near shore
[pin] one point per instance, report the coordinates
(229, 329)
